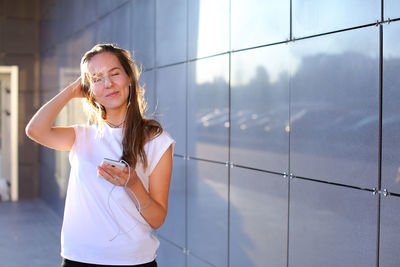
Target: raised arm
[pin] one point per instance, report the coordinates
(40, 127)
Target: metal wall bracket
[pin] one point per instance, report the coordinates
(383, 192)
(186, 251)
(229, 164)
(290, 176)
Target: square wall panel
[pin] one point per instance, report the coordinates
(52, 189)
(74, 15)
(390, 232)
(171, 103)
(208, 27)
(207, 217)
(334, 120)
(48, 32)
(260, 108)
(208, 108)
(258, 219)
(20, 9)
(20, 36)
(174, 226)
(27, 108)
(259, 22)
(58, 15)
(331, 225)
(391, 120)
(391, 9)
(83, 14)
(115, 27)
(169, 254)
(48, 71)
(311, 17)
(170, 31)
(143, 32)
(71, 52)
(28, 187)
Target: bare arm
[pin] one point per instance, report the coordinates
(40, 127)
(155, 202)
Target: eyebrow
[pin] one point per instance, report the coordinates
(112, 69)
(115, 68)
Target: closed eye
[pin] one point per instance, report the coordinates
(96, 78)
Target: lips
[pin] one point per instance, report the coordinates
(112, 94)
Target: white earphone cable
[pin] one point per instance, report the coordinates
(112, 215)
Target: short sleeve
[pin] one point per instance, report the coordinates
(81, 132)
(78, 134)
(156, 149)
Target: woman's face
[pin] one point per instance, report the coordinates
(108, 81)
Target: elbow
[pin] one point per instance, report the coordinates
(30, 131)
(157, 224)
(155, 227)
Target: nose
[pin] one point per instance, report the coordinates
(107, 81)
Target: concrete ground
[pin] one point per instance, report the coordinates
(29, 235)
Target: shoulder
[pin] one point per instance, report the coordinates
(161, 139)
(156, 148)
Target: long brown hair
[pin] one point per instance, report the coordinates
(137, 130)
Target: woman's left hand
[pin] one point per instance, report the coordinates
(115, 175)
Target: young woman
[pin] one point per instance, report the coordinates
(109, 212)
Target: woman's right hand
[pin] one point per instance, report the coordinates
(76, 88)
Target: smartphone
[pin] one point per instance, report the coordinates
(114, 163)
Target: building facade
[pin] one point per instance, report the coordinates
(285, 117)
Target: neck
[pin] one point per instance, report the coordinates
(116, 118)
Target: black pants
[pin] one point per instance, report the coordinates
(68, 263)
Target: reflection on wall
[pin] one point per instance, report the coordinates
(314, 17)
(249, 103)
(208, 20)
(335, 108)
(208, 211)
(255, 22)
(391, 96)
(253, 243)
(208, 108)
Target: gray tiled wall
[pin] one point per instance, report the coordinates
(285, 116)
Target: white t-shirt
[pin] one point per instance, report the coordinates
(101, 223)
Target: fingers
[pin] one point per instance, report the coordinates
(112, 174)
(126, 170)
(76, 88)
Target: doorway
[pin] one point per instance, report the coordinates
(9, 130)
